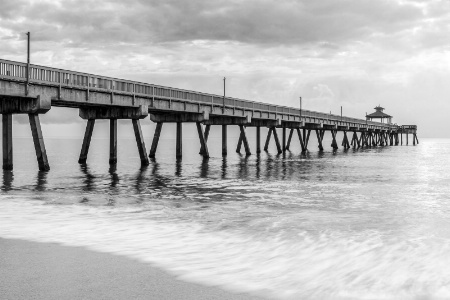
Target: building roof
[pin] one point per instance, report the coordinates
(378, 114)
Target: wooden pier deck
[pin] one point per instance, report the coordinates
(33, 90)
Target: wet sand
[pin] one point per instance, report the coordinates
(30, 270)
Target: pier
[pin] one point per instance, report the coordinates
(34, 90)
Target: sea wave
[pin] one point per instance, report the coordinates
(331, 264)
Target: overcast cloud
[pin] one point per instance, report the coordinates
(351, 53)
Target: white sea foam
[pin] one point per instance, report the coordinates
(332, 264)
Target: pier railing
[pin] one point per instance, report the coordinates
(57, 77)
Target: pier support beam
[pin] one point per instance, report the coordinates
(291, 132)
(243, 139)
(361, 140)
(179, 140)
(140, 142)
(275, 136)
(86, 141)
(269, 134)
(319, 134)
(357, 141)
(407, 139)
(306, 138)
(32, 106)
(224, 140)
(92, 113)
(203, 143)
(38, 140)
(7, 142)
(277, 141)
(155, 139)
(333, 142)
(354, 140)
(207, 129)
(239, 144)
(112, 141)
(258, 139)
(345, 143)
(302, 144)
(284, 139)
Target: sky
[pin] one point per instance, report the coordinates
(351, 53)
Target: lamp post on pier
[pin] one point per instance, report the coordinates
(300, 109)
(223, 106)
(28, 63)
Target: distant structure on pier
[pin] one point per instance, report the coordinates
(379, 114)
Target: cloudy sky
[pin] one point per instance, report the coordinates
(351, 53)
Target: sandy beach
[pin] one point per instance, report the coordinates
(30, 270)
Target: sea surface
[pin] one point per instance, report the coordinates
(359, 224)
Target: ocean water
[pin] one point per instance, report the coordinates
(358, 224)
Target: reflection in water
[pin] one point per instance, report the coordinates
(178, 167)
(224, 167)
(283, 167)
(8, 177)
(243, 167)
(204, 167)
(88, 182)
(269, 161)
(140, 179)
(114, 177)
(41, 180)
(258, 166)
(158, 181)
(155, 166)
(114, 188)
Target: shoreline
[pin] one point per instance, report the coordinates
(32, 270)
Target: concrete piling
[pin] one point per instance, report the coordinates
(112, 141)
(155, 139)
(86, 141)
(7, 142)
(140, 142)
